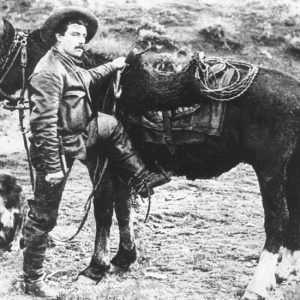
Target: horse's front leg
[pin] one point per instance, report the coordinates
(103, 210)
(127, 252)
(276, 216)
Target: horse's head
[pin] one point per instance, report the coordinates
(11, 41)
(6, 37)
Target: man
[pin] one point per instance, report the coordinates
(62, 120)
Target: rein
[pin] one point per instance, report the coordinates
(18, 48)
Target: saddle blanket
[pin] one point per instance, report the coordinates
(186, 124)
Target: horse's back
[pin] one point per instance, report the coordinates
(277, 88)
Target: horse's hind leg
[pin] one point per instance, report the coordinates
(127, 252)
(274, 202)
(291, 254)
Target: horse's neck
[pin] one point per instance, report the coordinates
(36, 49)
(93, 59)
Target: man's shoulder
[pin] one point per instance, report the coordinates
(48, 66)
(49, 63)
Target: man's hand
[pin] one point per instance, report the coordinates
(55, 178)
(119, 63)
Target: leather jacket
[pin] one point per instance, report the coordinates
(61, 106)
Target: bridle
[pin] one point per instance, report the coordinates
(18, 48)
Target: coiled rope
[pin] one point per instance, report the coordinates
(206, 75)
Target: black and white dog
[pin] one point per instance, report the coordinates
(11, 212)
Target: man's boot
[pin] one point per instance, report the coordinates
(143, 182)
(122, 152)
(40, 289)
(35, 242)
(34, 255)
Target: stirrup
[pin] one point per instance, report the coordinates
(144, 183)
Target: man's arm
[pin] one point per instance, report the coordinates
(46, 94)
(107, 69)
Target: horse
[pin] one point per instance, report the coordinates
(260, 128)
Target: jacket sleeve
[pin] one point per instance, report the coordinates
(99, 73)
(45, 94)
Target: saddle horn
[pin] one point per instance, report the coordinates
(138, 49)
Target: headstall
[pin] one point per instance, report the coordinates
(17, 49)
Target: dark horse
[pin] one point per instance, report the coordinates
(261, 128)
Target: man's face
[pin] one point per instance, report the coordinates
(73, 41)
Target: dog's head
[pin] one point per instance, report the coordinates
(11, 209)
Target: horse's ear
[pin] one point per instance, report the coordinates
(8, 33)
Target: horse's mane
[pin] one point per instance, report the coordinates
(35, 38)
(36, 47)
(91, 58)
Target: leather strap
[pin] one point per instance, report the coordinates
(168, 131)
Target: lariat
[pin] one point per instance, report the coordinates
(205, 73)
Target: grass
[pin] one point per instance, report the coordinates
(214, 220)
(110, 44)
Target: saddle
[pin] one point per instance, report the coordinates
(188, 125)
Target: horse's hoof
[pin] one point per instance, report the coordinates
(248, 295)
(92, 274)
(85, 281)
(15, 247)
(115, 269)
(94, 271)
(124, 258)
(282, 273)
(258, 291)
(289, 265)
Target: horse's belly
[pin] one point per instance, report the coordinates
(201, 160)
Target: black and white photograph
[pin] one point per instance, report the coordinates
(150, 150)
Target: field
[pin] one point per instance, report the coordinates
(203, 237)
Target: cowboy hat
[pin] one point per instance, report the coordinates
(71, 12)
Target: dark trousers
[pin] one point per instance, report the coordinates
(43, 209)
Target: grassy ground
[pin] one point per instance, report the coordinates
(204, 237)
